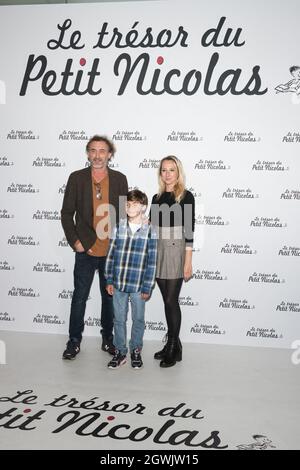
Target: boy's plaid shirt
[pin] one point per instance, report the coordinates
(131, 259)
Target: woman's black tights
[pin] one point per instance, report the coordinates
(170, 290)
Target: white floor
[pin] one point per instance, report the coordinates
(241, 391)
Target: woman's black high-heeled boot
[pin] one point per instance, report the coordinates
(179, 351)
(170, 357)
(161, 354)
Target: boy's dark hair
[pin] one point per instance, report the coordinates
(294, 68)
(137, 195)
(102, 138)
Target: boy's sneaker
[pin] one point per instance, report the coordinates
(136, 359)
(72, 349)
(117, 361)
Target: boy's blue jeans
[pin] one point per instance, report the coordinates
(121, 302)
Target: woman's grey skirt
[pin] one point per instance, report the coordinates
(170, 253)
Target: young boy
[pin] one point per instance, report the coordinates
(130, 273)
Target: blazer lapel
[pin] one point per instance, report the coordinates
(88, 194)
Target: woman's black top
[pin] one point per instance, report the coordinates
(166, 212)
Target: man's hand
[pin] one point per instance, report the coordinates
(110, 289)
(78, 247)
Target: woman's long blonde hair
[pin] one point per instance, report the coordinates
(179, 188)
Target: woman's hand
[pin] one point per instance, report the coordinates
(188, 268)
(187, 271)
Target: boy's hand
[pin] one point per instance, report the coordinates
(110, 289)
(145, 296)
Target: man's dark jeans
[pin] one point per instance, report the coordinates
(84, 270)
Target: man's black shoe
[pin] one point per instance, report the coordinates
(72, 349)
(107, 346)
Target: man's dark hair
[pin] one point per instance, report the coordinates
(101, 138)
(137, 195)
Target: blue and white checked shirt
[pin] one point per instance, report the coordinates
(131, 259)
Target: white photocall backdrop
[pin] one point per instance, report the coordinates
(215, 83)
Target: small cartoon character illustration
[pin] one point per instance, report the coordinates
(262, 443)
(293, 85)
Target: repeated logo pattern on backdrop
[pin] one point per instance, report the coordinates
(204, 86)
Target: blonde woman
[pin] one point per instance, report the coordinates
(173, 212)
